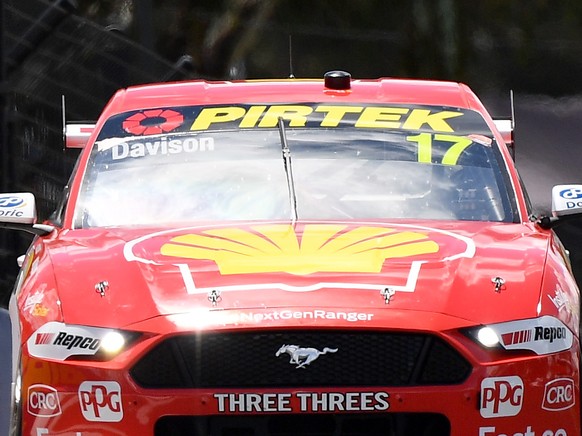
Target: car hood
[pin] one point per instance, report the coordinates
(471, 271)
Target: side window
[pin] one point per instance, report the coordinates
(528, 204)
(57, 216)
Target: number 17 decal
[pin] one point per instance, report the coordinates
(451, 156)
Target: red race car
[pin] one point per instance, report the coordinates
(292, 258)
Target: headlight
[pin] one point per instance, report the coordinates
(112, 342)
(58, 341)
(487, 337)
(543, 335)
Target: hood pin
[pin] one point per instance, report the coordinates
(214, 297)
(499, 283)
(387, 293)
(102, 287)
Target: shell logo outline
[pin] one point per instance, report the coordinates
(408, 245)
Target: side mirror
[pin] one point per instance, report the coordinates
(18, 208)
(18, 211)
(566, 200)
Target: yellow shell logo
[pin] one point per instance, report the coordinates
(321, 248)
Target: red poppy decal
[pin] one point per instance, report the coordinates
(153, 122)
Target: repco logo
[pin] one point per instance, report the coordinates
(501, 396)
(549, 333)
(66, 340)
(559, 395)
(101, 401)
(43, 400)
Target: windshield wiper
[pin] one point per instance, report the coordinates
(288, 170)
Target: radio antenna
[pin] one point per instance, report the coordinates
(291, 75)
(512, 109)
(64, 121)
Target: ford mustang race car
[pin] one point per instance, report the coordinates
(295, 257)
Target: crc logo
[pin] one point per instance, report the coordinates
(43, 400)
(501, 396)
(10, 201)
(101, 401)
(559, 395)
(571, 193)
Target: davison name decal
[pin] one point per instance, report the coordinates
(301, 257)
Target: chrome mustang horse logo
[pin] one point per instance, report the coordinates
(302, 356)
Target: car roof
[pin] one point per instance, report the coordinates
(202, 92)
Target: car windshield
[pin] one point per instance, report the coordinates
(331, 174)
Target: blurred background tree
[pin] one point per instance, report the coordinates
(533, 46)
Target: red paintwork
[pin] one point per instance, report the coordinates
(149, 293)
(442, 286)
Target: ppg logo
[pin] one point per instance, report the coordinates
(101, 401)
(571, 193)
(501, 396)
(10, 201)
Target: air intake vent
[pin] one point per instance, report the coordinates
(259, 360)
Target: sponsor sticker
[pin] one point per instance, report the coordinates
(277, 315)
(101, 401)
(492, 431)
(306, 253)
(559, 394)
(59, 341)
(501, 396)
(34, 304)
(419, 118)
(43, 400)
(566, 198)
(542, 335)
(560, 299)
(10, 201)
(571, 193)
(302, 402)
(205, 317)
(17, 207)
(324, 115)
(153, 121)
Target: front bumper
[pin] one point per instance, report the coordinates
(140, 393)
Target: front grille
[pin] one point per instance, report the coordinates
(386, 424)
(248, 360)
